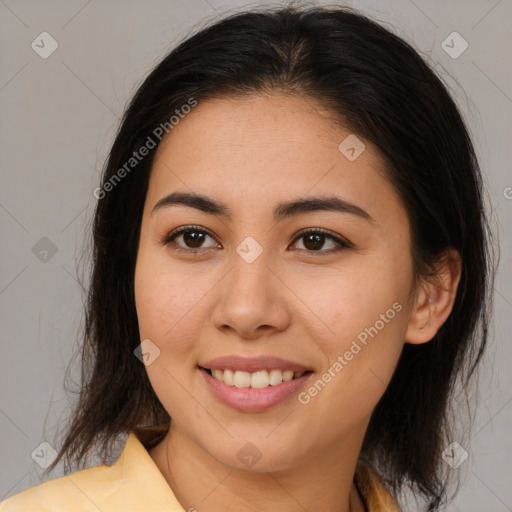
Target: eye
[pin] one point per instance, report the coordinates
(192, 237)
(314, 239)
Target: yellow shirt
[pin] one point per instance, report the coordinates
(135, 484)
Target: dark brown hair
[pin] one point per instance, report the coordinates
(378, 86)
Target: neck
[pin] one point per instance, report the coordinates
(201, 483)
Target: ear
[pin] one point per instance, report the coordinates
(434, 299)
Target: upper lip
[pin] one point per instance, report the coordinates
(253, 364)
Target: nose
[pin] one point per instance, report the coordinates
(252, 300)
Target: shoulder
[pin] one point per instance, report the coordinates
(133, 483)
(80, 491)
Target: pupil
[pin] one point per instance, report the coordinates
(194, 237)
(317, 243)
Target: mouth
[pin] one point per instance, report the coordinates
(254, 384)
(257, 380)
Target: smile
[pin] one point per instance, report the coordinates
(256, 391)
(259, 379)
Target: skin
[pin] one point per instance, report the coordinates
(292, 302)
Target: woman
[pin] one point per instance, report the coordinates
(291, 272)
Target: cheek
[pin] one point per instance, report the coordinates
(365, 310)
(168, 310)
(355, 297)
(365, 333)
(168, 303)
(360, 357)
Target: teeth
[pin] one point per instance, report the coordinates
(242, 379)
(228, 377)
(275, 377)
(218, 374)
(260, 379)
(287, 375)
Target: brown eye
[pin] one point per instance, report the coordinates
(315, 239)
(192, 237)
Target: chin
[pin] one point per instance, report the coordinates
(252, 457)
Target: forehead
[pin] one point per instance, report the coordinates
(259, 150)
(236, 127)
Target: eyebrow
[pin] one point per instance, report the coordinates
(282, 210)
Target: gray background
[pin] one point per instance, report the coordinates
(59, 116)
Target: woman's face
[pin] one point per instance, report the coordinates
(334, 303)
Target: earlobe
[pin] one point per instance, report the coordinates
(434, 300)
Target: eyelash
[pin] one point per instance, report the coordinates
(342, 244)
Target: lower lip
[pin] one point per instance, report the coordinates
(253, 399)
